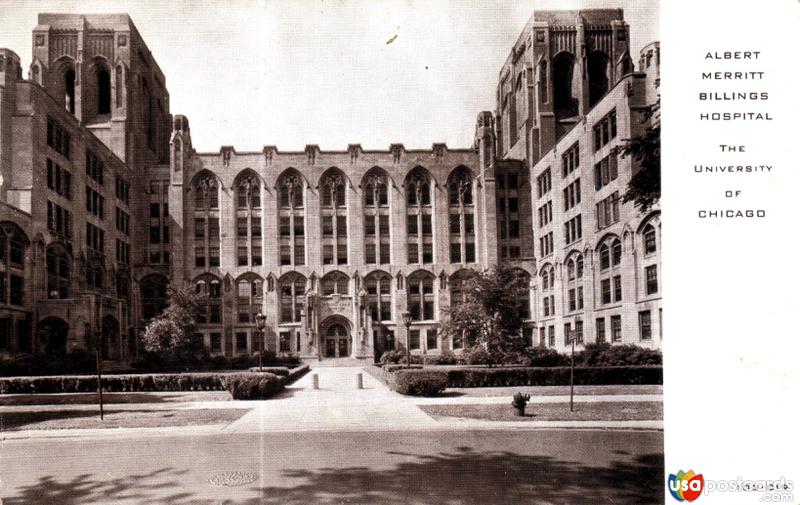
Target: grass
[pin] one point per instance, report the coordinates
(557, 390)
(89, 419)
(584, 411)
(124, 398)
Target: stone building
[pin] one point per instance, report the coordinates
(104, 205)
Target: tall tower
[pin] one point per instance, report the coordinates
(100, 70)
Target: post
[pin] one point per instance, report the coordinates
(314, 381)
(260, 349)
(572, 373)
(359, 381)
(99, 380)
(407, 321)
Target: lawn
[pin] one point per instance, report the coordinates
(584, 411)
(88, 419)
(557, 390)
(124, 398)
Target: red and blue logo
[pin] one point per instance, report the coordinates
(686, 486)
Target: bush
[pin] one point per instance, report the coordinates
(542, 356)
(553, 376)
(114, 383)
(477, 356)
(396, 356)
(395, 368)
(156, 363)
(605, 354)
(420, 382)
(446, 358)
(275, 370)
(49, 364)
(253, 386)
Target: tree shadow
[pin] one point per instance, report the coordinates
(460, 477)
(17, 420)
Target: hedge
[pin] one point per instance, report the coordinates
(253, 386)
(420, 382)
(553, 376)
(276, 370)
(124, 383)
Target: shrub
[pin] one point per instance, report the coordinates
(420, 382)
(605, 354)
(396, 356)
(446, 358)
(253, 386)
(275, 370)
(48, 364)
(553, 376)
(542, 356)
(157, 363)
(113, 383)
(478, 356)
(395, 368)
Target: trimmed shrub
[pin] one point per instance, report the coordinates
(48, 364)
(553, 376)
(446, 358)
(275, 370)
(113, 383)
(253, 386)
(397, 356)
(477, 356)
(420, 382)
(605, 354)
(395, 368)
(156, 363)
(542, 356)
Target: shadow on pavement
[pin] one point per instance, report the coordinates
(460, 477)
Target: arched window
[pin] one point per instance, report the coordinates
(564, 101)
(379, 295)
(119, 88)
(649, 238)
(154, 295)
(605, 257)
(548, 278)
(598, 76)
(616, 252)
(574, 286)
(420, 296)
(206, 222)
(95, 276)
(208, 290)
(419, 216)
(292, 290)
(291, 219)
(58, 272)
(334, 218)
(249, 298)
(69, 90)
(248, 221)
(458, 283)
(335, 283)
(462, 216)
(13, 243)
(103, 90)
(122, 283)
(525, 294)
(610, 283)
(376, 218)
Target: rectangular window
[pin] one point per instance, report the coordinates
(413, 253)
(617, 288)
(605, 130)
(543, 183)
(600, 329)
(645, 328)
(651, 275)
(427, 253)
(241, 256)
(431, 340)
(616, 328)
(551, 336)
(413, 340)
(572, 300)
(605, 289)
(216, 342)
(285, 342)
(241, 342)
(255, 226)
(570, 160)
(241, 227)
(213, 256)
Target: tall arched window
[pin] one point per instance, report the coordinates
(564, 101)
(458, 283)
(248, 220)
(154, 295)
(598, 76)
(333, 211)
(206, 221)
(120, 87)
(292, 290)
(649, 239)
(548, 278)
(209, 303)
(291, 219)
(574, 282)
(462, 216)
(103, 90)
(419, 216)
(610, 284)
(58, 272)
(249, 297)
(13, 243)
(69, 90)
(379, 295)
(420, 296)
(376, 218)
(335, 283)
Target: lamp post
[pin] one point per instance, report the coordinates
(407, 322)
(261, 322)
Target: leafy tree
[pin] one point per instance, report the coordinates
(170, 335)
(644, 188)
(489, 319)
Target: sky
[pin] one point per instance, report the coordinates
(250, 73)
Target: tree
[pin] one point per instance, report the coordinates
(490, 315)
(644, 188)
(170, 335)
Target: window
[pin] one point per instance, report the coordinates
(59, 220)
(59, 179)
(208, 290)
(545, 213)
(605, 171)
(216, 342)
(292, 292)
(573, 230)
(94, 168)
(335, 283)
(376, 218)
(546, 245)
(241, 342)
(57, 137)
(645, 328)
(543, 183)
(605, 130)
(649, 236)
(572, 194)
(551, 336)
(379, 295)
(58, 273)
(617, 288)
(94, 203)
(605, 289)
(123, 221)
(616, 328)
(122, 190)
(600, 329)
(462, 217)
(334, 219)
(608, 211)
(95, 238)
(431, 340)
(413, 340)
(570, 160)
(651, 276)
(103, 79)
(419, 217)
(249, 298)
(420, 296)
(291, 222)
(248, 192)
(13, 243)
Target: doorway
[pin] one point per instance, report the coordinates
(337, 341)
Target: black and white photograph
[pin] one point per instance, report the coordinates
(333, 252)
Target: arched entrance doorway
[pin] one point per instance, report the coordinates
(110, 341)
(52, 335)
(336, 338)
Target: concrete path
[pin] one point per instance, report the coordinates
(336, 406)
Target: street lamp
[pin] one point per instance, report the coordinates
(261, 322)
(407, 322)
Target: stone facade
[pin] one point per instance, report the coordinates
(105, 204)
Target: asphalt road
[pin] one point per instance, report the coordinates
(393, 468)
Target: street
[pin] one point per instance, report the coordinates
(379, 467)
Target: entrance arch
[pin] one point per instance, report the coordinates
(52, 335)
(336, 338)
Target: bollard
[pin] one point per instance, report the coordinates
(359, 381)
(315, 381)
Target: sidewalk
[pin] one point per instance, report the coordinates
(337, 406)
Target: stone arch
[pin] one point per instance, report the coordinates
(599, 70)
(247, 186)
(460, 185)
(332, 186)
(336, 336)
(565, 102)
(291, 185)
(419, 184)
(335, 282)
(100, 70)
(375, 186)
(52, 335)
